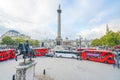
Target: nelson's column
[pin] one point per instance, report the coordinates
(59, 39)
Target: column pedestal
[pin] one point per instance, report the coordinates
(25, 71)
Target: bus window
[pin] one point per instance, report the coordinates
(110, 58)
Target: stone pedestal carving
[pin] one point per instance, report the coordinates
(25, 71)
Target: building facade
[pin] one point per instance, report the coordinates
(15, 34)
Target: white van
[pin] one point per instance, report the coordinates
(66, 53)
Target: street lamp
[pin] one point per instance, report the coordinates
(80, 38)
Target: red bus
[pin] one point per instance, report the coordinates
(81, 49)
(12, 53)
(98, 56)
(6, 54)
(40, 51)
(117, 47)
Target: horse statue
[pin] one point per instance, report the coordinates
(25, 50)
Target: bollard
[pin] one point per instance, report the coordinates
(44, 72)
(13, 77)
(118, 66)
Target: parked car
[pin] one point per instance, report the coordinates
(49, 55)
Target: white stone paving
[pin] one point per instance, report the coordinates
(65, 69)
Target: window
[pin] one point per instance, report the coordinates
(110, 58)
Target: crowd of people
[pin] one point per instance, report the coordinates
(117, 61)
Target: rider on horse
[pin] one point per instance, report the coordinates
(25, 50)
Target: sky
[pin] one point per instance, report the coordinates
(38, 18)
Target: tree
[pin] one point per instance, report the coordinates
(110, 39)
(96, 42)
(14, 42)
(7, 40)
(18, 40)
(34, 42)
(31, 42)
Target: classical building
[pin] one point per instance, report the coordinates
(48, 43)
(15, 34)
(67, 43)
(83, 43)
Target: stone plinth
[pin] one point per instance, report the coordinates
(25, 71)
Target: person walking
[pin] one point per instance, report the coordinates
(116, 58)
(114, 65)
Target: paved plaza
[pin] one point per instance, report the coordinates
(65, 69)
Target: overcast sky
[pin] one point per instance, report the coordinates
(38, 18)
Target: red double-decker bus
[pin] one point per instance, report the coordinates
(40, 51)
(98, 56)
(6, 54)
(82, 49)
(12, 53)
(117, 47)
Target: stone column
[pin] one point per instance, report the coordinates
(59, 39)
(59, 21)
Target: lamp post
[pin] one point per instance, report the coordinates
(80, 38)
(86, 43)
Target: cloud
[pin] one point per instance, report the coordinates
(2, 30)
(31, 17)
(93, 33)
(98, 18)
(38, 18)
(100, 30)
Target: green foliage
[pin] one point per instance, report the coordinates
(34, 42)
(31, 42)
(18, 40)
(110, 39)
(96, 42)
(7, 40)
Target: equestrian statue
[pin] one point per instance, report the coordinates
(25, 50)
